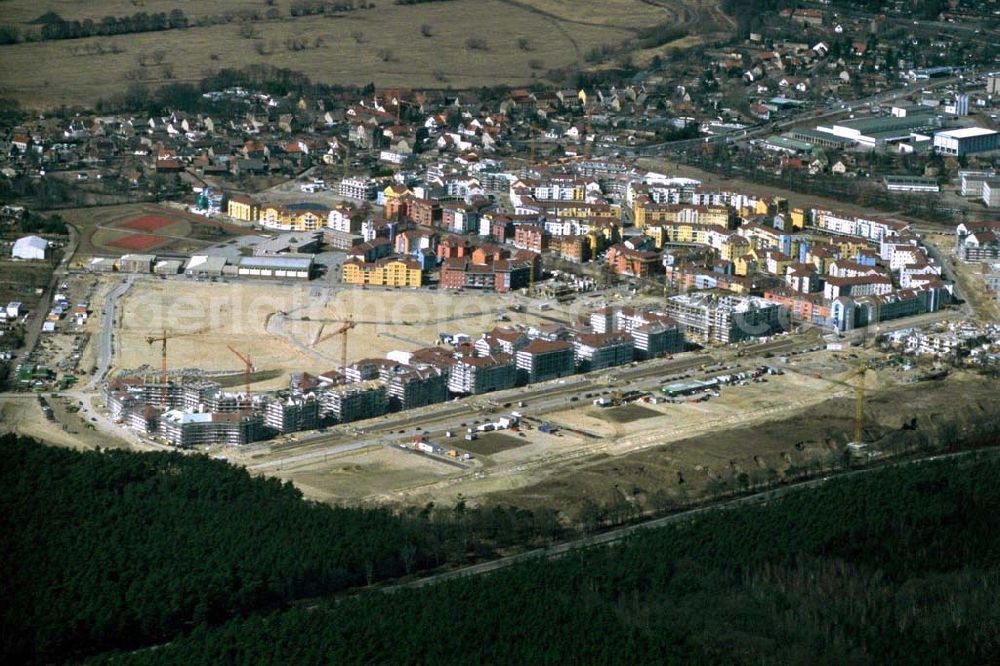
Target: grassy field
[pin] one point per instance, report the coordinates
(20, 279)
(385, 45)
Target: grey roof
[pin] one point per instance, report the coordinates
(282, 263)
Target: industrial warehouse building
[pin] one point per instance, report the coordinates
(965, 141)
(285, 266)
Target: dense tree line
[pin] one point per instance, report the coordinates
(118, 549)
(745, 164)
(33, 223)
(900, 565)
(54, 26)
(310, 7)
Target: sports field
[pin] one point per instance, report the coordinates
(116, 230)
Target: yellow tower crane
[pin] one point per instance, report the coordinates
(346, 326)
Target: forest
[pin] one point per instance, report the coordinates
(899, 565)
(121, 550)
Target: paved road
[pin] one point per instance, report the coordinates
(105, 348)
(622, 533)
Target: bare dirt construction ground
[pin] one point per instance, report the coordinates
(110, 230)
(519, 40)
(547, 457)
(22, 415)
(900, 418)
(209, 317)
(675, 452)
(970, 280)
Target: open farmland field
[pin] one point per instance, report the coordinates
(519, 41)
(115, 230)
(246, 315)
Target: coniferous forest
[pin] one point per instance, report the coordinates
(107, 555)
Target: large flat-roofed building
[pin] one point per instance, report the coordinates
(911, 184)
(965, 141)
(136, 263)
(876, 131)
(286, 266)
(725, 319)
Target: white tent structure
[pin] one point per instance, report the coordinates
(30, 247)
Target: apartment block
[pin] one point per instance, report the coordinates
(290, 414)
(725, 319)
(354, 402)
(472, 375)
(595, 351)
(541, 360)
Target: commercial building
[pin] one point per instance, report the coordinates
(541, 360)
(877, 131)
(725, 319)
(965, 141)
